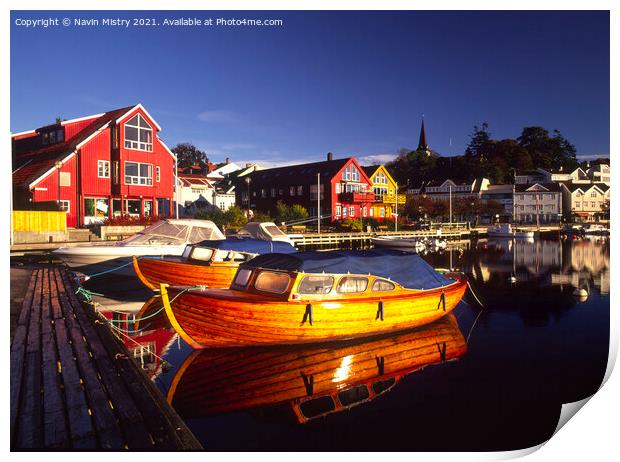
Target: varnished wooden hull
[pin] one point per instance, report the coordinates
(227, 380)
(177, 271)
(225, 318)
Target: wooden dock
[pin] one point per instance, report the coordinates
(73, 385)
(363, 238)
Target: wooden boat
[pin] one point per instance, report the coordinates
(313, 380)
(209, 263)
(290, 298)
(152, 315)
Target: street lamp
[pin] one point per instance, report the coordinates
(58, 165)
(248, 180)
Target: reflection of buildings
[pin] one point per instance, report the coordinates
(574, 263)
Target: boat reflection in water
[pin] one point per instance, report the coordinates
(314, 380)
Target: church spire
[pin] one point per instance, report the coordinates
(422, 144)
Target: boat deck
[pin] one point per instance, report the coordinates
(73, 385)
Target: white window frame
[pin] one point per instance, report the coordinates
(157, 173)
(138, 145)
(105, 166)
(64, 203)
(352, 211)
(139, 177)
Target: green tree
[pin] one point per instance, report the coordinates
(189, 155)
(285, 213)
(235, 218)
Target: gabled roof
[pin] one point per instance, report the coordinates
(585, 187)
(551, 187)
(292, 175)
(189, 180)
(30, 165)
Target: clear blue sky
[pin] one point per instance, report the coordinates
(354, 83)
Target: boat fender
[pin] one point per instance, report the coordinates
(308, 383)
(307, 314)
(442, 352)
(442, 300)
(380, 364)
(379, 311)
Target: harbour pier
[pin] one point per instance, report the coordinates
(74, 386)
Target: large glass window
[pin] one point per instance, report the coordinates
(138, 174)
(138, 134)
(96, 207)
(276, 283)
(132, 207)
(316, 284)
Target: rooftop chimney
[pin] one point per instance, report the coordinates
(330, 156)
(227, 161)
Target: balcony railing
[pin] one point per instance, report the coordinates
(391, 199)
(356, 197)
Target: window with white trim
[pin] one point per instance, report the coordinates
(103, 168)
(64, 206)
(139, 174)
(337, 210)
(351, 212)
(337, 188)
(138, 134)
(157, 174)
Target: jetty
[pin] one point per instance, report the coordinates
(73, 384)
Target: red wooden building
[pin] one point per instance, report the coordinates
(95, 167)
(346, 191)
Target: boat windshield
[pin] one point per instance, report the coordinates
(160, 233)
(274, 230)
(268, 281)
(166, 233)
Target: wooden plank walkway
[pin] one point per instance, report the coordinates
(73, 385)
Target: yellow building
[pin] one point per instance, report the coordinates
(385, 189)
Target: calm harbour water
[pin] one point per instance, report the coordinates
(495, 381)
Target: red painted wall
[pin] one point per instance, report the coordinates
(96, 149)
(158, 157)
(50, 183)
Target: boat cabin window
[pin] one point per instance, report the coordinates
(316, 284)
(202, 253)
(381, 285)
(383, 385)
(316, 407)
(268, 281)
(353, 395)
(352, 285)
(187, 251)
(242, 277)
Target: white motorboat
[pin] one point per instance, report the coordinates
(596, 229)
(266, 231)
(399, 243)
(506, 230)
(165, 237)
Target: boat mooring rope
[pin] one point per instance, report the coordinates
(479, 313)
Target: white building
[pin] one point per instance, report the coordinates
(585, 201)
(538, 203)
